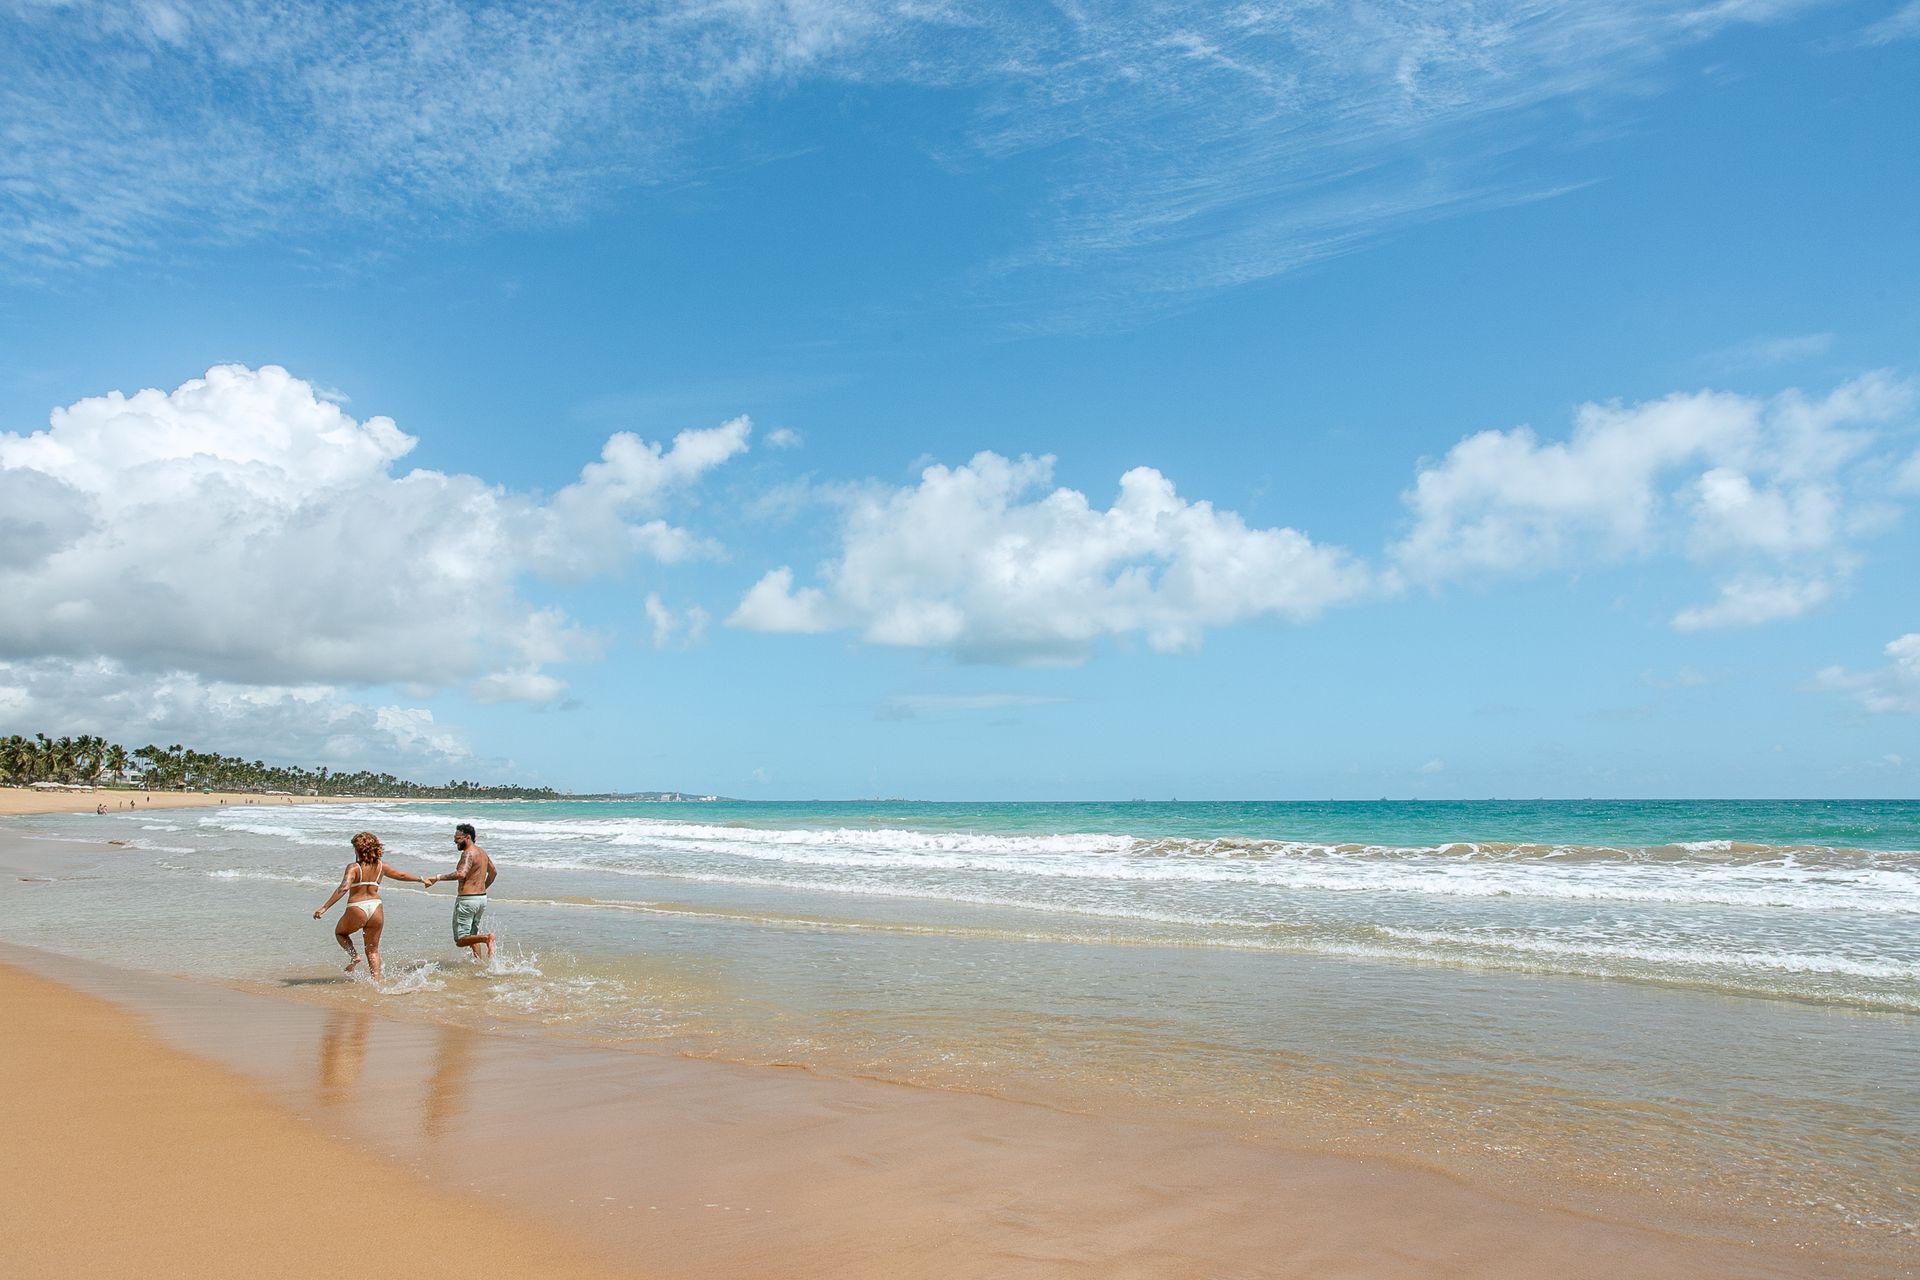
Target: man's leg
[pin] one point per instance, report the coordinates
(467, 915)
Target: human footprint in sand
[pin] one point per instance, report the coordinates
(475, 874)
(364, 914)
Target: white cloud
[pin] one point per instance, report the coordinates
(1435, 765)
(301, 724)
(1748, 602)
(687, 627)
(976, 560)
(772, 604)
(1893, 687)
(784, 438)
(1771, 489)
(517, 686)
(1186, 145)
(244, 528)
(587, 526)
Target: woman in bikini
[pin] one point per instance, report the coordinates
(361, 883)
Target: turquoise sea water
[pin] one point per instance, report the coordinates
(1715, 999)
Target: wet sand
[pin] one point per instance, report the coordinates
(681, 1167)
(125, 1156)
(25, 800)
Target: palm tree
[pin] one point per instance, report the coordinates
(89, 758)
(16, 758)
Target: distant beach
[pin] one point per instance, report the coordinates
(28, 800)
(863, 1039)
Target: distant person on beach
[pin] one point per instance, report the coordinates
(475, 874)
(364, 913)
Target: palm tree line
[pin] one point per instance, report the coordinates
(90, 760)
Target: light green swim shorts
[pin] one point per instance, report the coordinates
(468, 909)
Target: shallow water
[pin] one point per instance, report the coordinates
(1709, 1000)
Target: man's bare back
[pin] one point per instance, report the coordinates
(475, 872)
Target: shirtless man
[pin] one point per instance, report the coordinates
(475, 874)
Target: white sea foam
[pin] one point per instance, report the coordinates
(508, 964)
(1782, 883)
(400, 980)
(242, 873)
(1653, 953)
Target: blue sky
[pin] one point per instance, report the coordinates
(793, 400)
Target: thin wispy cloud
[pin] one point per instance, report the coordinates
(1902, 24)
(1175, 149)
(1768, 353)
(135, 126)
(970, 701)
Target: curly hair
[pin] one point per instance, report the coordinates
(366, 848)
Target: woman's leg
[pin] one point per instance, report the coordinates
(371, 935)
(343, 934)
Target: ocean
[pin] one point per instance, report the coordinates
(1708, 999)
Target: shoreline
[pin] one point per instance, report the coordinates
(702, 1168)
(25, 802)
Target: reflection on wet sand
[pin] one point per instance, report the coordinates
(445, 1085)
(343, 1054)
(447, 1088)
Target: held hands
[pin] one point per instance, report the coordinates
(428, 881)
(322, 911)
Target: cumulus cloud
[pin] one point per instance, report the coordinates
(245, 528)
(784, 438)
(986, 562)
(300, 724)
(1772, 491)
(1893, 687)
